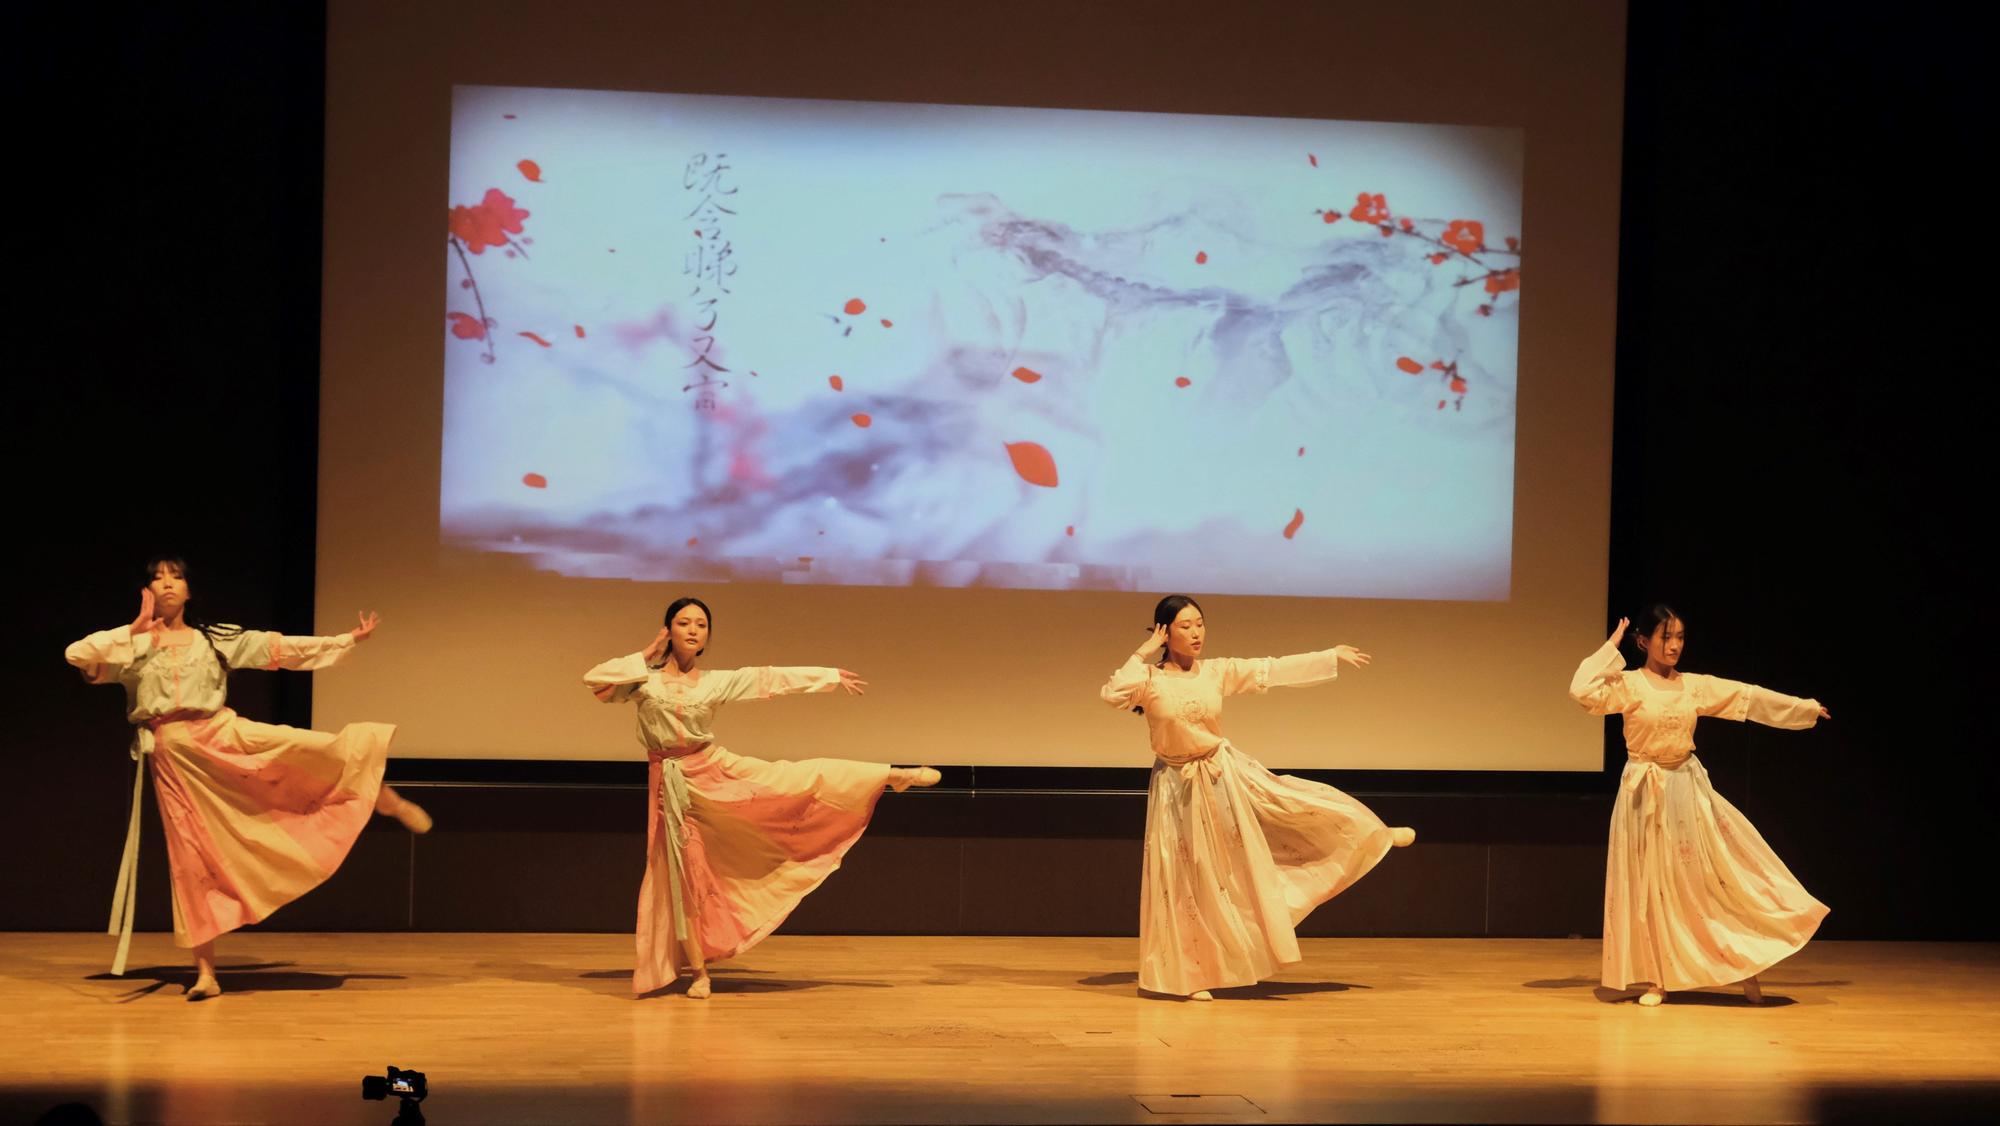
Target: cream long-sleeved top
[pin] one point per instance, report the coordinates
(1184, 708)
(1659, 722)
(676, 712)
(163, 673)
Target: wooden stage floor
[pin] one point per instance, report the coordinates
(517, 1028)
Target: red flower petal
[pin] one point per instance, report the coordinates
(1440, 404)
(508, 116)
(1314, 159)
(1298, 518)
(465, 326)
(1027, 375)
(887, 323)
(1409, 365)
(1182, 381)
(468, 225)
(1033, 463)
(1329, 216)
(1458, 385)
(834, 382)
(579, 331)
(531, 170)
(493, 219)
(534, 480)
(534, 338)
(1513, 243)
(1370, 208)
(1438, 258)
(1464, 235)
(1201, 257)
(861, 420)
(855, 306)
(1070, 530)
(1302, 451)
(692, 540)
(1407, 225)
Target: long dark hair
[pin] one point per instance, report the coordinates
(1653, 617)
(193, 617)
(1164, 613)
(675, 607)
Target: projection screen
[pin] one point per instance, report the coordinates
(904, 379)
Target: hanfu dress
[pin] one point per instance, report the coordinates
(1693, 896)
(256, 814)
(733, 844)
(1235, 855)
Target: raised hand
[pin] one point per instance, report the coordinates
(658, 648)
(144, 621)
(1351, 655)
(1618, 635)
(1153, 644)
(852, 684)
(369, 620)
(1824, 714)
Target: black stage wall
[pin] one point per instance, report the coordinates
(1799, 466)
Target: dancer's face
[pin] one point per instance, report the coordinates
(690, 632)
(1185, 635)
(170, 589)
(1665, 643)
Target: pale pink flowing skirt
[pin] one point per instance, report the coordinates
(1235, 857)
(758, 837)
(257, 814)
(1692, 895)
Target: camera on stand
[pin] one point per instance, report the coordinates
(408, 1086)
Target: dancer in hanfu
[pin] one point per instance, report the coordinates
(1235, 855)
(256, 814)
(1693, 896)
(732, 843)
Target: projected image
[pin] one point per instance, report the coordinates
(745, 339)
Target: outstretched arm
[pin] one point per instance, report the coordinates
(1261, 674)
(1735, 700)
(764, 681)
(263, 649)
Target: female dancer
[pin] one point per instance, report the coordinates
(1692, 895)
(732, 843)
(256, 814)
(1235, 855)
